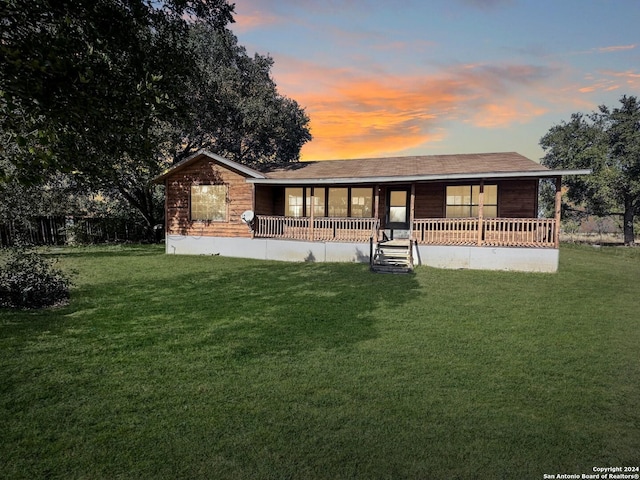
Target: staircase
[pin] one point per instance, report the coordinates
(393, 256)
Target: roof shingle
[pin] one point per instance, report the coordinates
(475, 163)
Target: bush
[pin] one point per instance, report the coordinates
(28, 280)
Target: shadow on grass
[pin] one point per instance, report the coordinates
(267, 308)
(231, 308)
(284, 309)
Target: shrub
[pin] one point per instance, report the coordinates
(28, 280)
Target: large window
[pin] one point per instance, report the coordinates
(209, 202)
(330, 202)
(319, 199)
(294, 202)
(463, 201)
(362, 202)
(338, 202)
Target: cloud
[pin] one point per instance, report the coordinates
(356, 114)
(628, 74)
(248, 18)
(506, 113)
(616, 48)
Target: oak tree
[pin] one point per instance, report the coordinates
(607, 142)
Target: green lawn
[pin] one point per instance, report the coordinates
(178, 367)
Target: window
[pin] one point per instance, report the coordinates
(463, 201)
(362, 202)
(338, 202)
(319, 197)
(332, 202)
(398, 206)
(294, 198)
(209, 202)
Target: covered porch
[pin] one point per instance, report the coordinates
(394, 216)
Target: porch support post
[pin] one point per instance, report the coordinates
(412, 205)
(376, 209)
(253, 207)
(311, 222)
(558, 209)
(480, 212)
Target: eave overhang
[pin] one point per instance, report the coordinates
(417, 178)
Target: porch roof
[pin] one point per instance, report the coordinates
(410, 169)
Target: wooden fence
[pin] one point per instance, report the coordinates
(64, 230)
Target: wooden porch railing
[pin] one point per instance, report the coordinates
(322, 229)
(491, 232)
(494, 232)
(445, 231)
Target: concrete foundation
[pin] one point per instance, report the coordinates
(453, 257)
(488, 258)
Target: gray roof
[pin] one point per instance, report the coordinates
(389, 169)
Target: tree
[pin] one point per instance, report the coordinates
(230, 105)
(84, 80)
(607, 142)
(234, 106)
(114, 91)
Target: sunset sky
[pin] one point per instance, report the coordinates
(418, 77)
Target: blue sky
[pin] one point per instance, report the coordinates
(420, 77)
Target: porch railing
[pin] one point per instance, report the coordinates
(493, 232)
(496, 232)
(322, 229)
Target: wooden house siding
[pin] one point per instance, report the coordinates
(207, 172)
(430, 200)
(518, 199)
(266, 201)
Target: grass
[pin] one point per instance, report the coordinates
(208, 367)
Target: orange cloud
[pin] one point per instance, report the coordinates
(606, 86)
(357, 115)
(631, 79)
(250, 15)
(507, 113)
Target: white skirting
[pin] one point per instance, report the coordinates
(456, 257)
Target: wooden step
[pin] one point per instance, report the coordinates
(393, 256)
(390, 269)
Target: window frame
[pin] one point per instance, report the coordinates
(225, 210)
(474, 200)
(306, 195)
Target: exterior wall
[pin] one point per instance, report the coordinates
(269, 200)
(518, 199)
(430, 200)
(477, 258)
(207, 171)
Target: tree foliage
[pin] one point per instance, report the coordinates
(111, 92)
(234, 106)
(85, 79)
(607, 142)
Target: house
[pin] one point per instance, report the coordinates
(475, 211)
